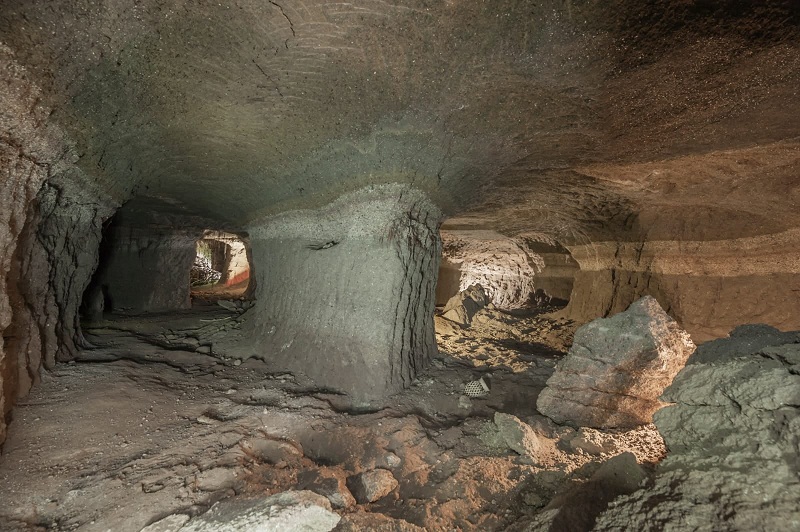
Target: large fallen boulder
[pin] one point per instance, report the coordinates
(733, 436)
(464, 305)
(616, 369)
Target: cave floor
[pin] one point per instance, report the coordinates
(151, 422)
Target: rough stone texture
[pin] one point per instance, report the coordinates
(733, 436)
(147, 269)
(345, 294)
(370, 486)
(374, 522)
(290, 510)
(616, 369)
(464, 305)
(743, 340)
(578, 509)
(327, 484)
(504, 267)
(520, 437)
(50, 218)
(171, 523)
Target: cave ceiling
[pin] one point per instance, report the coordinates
(240, 109)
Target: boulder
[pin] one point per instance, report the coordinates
(290, 510)
(519, 436)
(372, 485)
(616, 369)
(328, 485)
(464, 305)
(733, 435)
(578, 508)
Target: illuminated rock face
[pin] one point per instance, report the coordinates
(345, 294)
(617, 369)
(732, 434)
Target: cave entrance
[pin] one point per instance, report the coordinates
(221, 267)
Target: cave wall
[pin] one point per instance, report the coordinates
(51, 214)
(146, 267)
(709, 287)
(346, 294)
(511, 270)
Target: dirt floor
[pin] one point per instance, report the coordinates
(152, 422)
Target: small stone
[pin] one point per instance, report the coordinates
(519, 436)
(372, 485)
(328, 485)
(464, 402)
(216, 479)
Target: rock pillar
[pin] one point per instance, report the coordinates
(346, 293)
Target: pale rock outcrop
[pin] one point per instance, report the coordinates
(733, 436)
(290, 510)
(616, 369)
(463, 306)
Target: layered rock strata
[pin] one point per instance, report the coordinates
(346, 293)
(616, 369)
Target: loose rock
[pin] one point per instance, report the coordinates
(372, 485)
(464, 305)
(725, 408)
(616, 369)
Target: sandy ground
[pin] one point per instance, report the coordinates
(152, 422)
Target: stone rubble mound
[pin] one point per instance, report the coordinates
(463, 306)
(733, 436)
(616, 369)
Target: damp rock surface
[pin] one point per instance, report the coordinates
(617, 368)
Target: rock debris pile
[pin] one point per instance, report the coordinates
(733, 436)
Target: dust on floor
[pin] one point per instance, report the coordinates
(152, 422)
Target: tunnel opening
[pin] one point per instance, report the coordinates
(221, 268)
(518, 275)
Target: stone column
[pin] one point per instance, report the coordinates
(346, 293)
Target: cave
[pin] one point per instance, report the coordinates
(408, 265)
